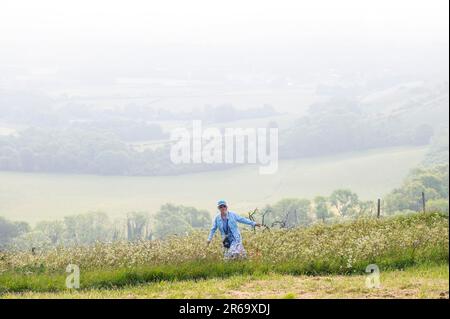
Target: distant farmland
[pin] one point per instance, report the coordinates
(34, 197)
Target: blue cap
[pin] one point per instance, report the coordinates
(221, 202)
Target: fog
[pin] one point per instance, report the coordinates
(215, 49)
(91, 92)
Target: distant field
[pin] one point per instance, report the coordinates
(283, 122)
(34, 197)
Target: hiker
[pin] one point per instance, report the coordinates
(227, 221)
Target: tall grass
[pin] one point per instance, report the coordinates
(346, 248)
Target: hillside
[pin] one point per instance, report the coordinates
(393, 243)
(35, 197)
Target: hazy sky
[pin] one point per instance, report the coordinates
(64, 22)
(95, 37)
(48, 25)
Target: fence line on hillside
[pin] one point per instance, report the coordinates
(423, 204)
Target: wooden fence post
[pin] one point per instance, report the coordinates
(423, 202)
(378, 208)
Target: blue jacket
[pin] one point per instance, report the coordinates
(233, 219)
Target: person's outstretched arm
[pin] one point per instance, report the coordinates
(246, 221)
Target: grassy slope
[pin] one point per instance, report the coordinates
(416, 282)
(35, 197)
(393, 243)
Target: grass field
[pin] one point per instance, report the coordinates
(321, 258)
(413, 282)
(35, 197)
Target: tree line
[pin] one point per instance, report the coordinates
(343, 126)
(89, 228)
(104, 148)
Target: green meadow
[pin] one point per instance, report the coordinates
(371, 174)
(337, 256)
(415, 282)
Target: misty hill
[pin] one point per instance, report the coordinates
(89, 140)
